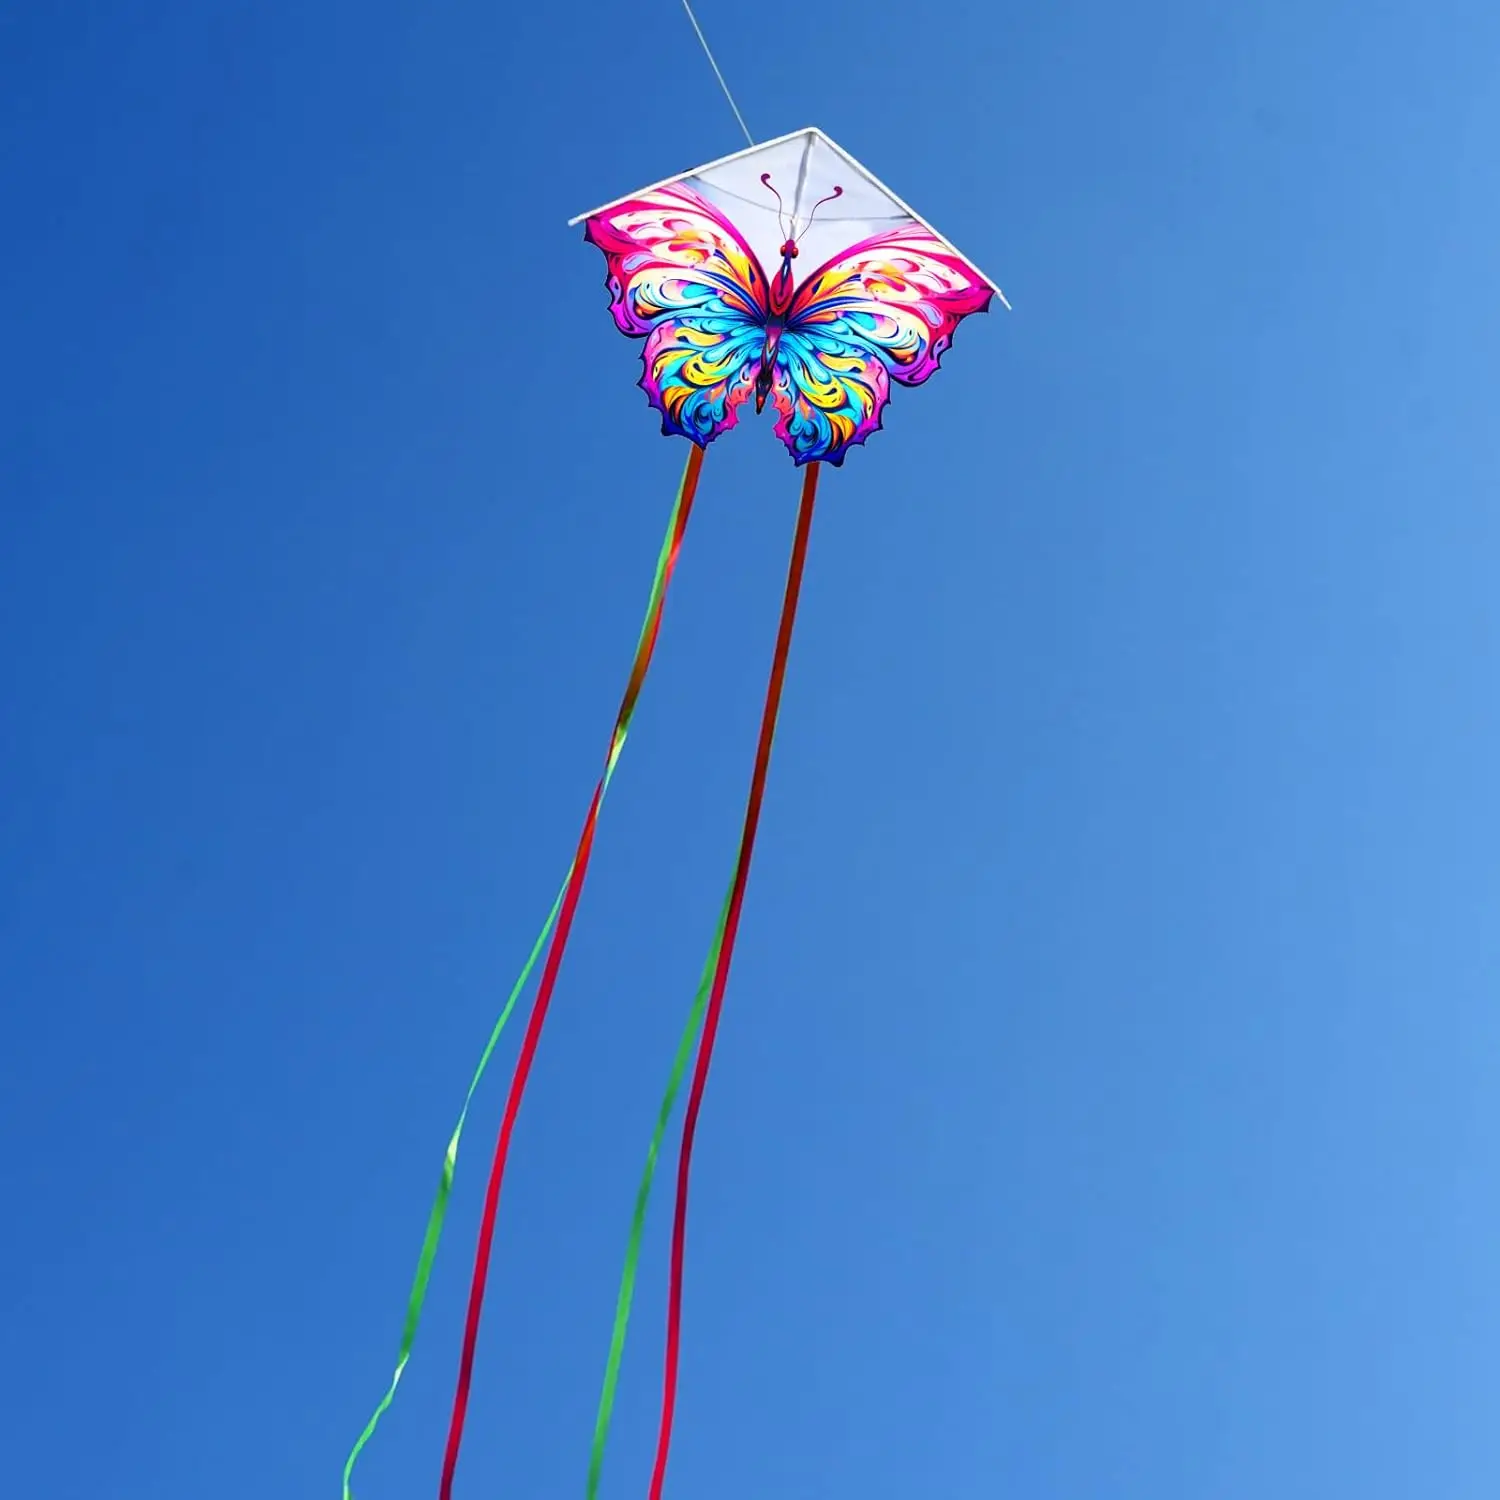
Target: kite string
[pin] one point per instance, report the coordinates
(725, 956)
(708, 53)
(568, 906)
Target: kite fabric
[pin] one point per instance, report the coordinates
(702, 269)
(690, 272)
(666, 564)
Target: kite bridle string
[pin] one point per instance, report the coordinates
(708, 53)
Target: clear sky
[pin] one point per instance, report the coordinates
(1106, 1100)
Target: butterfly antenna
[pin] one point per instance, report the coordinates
(765, 178)
(837, 192)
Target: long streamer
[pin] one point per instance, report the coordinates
(642, 1199)
(666, 563)
(439, 1211)
(568, 905)
(724, 944)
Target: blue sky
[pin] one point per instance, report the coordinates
(1105, 1104)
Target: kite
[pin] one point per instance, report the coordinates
(705, 270)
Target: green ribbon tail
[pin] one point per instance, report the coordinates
(434, 1234)
(439, 1212)
(642, 1199)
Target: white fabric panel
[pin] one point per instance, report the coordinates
(803, 170)
(804, 166)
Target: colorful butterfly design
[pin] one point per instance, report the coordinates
(719, 331)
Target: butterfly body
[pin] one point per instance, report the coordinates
(719, 332)
(783, 287)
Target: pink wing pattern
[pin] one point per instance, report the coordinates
(884, 310)
(681, 277)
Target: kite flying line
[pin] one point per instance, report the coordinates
(708, 53)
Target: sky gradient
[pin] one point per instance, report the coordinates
(1105, 1104)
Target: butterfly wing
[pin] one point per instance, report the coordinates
(882, 311)
(681, 277)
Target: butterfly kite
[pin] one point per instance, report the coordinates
(703, 268)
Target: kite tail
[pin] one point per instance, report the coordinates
(567, 906)
(666, 563)
(642, 1199)
(707, 1006)
(721, 968)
